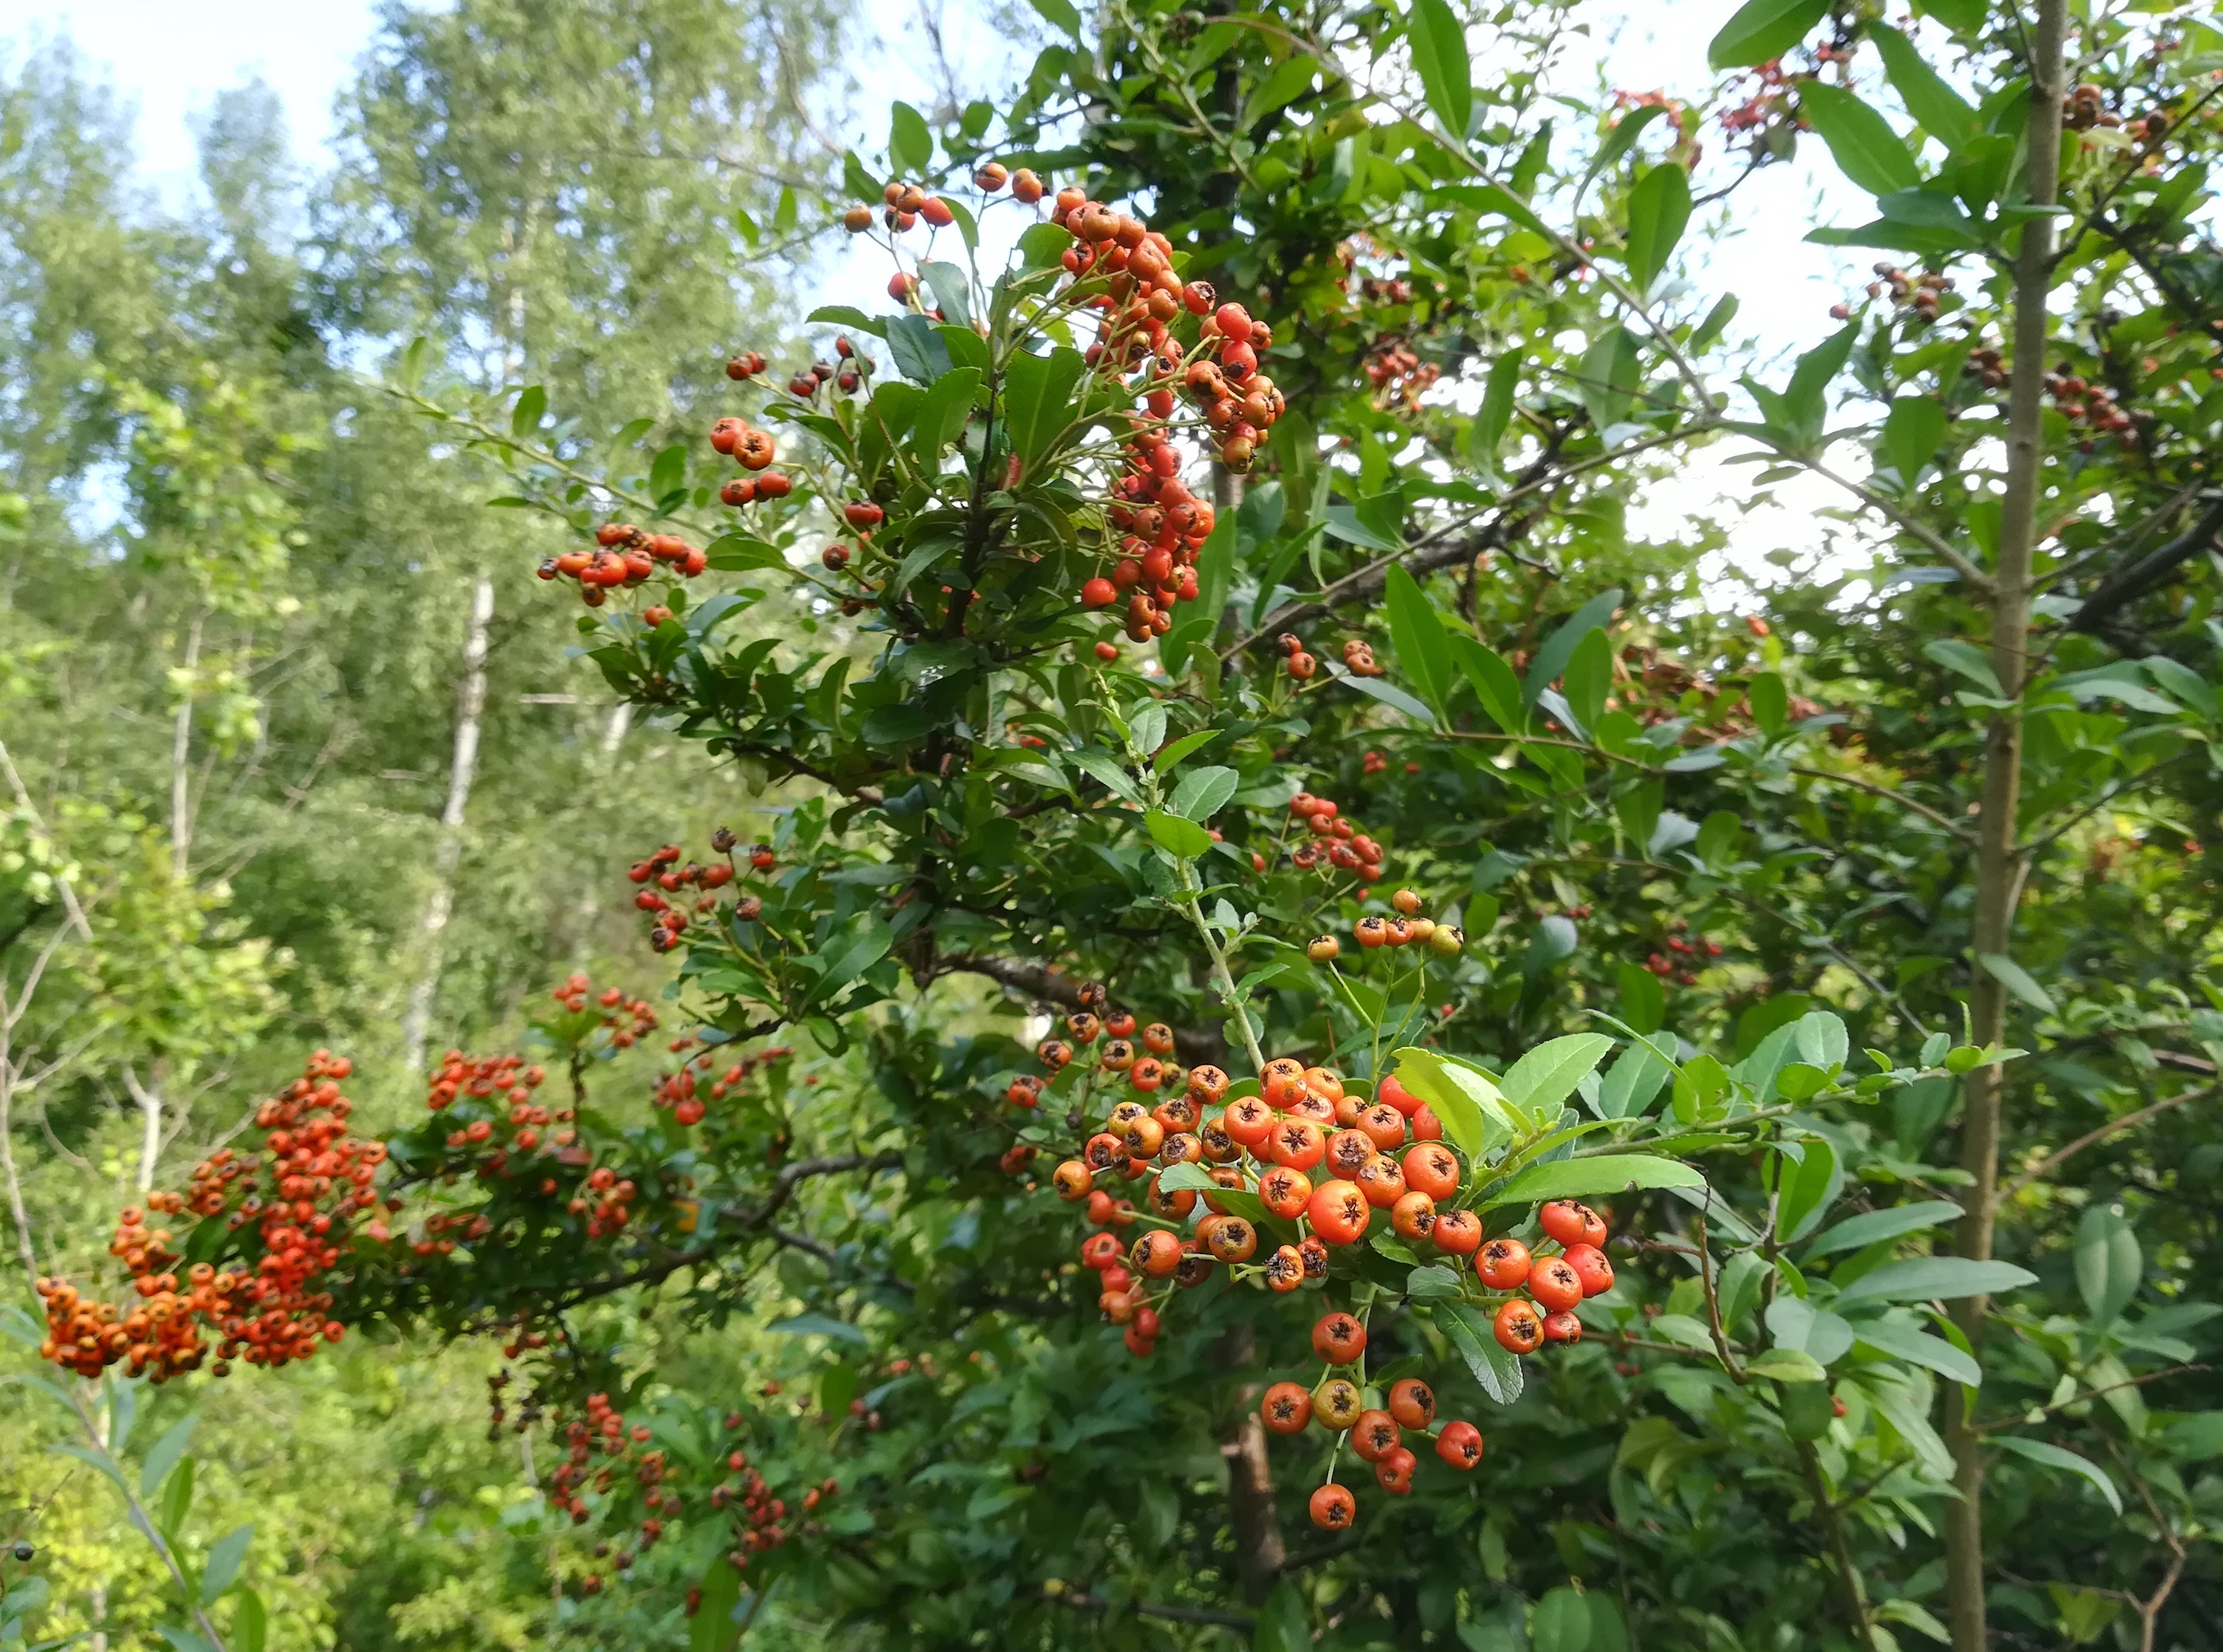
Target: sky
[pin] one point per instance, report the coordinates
(170, 58)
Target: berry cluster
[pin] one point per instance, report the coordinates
(1162, 528)
(624, 556)
(1682, 957)
(753, 450)
(2089, 405)
(1259, 1145)
(318, 1177)
(1398, 374)
(627, 1020)
(1376, 1435)
(668, 918)
(761, 1521)
(684, 1090)
(1333, 842)
(2086, 107)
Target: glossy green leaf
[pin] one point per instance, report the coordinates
(1873, 1227)
(1559, 647)
(1786, 1365)
(910, 142)
(2053, 1456)
(1475, 1117)
(1177, 836)
(1493, 683)
(2018, 981)
(1595, 1179)
(525, 417)
(1589, 677)
(1418, 635)
(1761, 29)
(1037, 396)
(1658, 210)
(1542, 1079)
(1468, 1331)
(1918, 1347)
(1925, 1278)
(1942, 111)
(2110, 1266)
(1203, 792)
(1439, 47)
(1861, 141)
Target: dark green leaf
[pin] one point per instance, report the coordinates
(1037, 399)
(1468, 1331)
(2052, 1456)
(1872, 1226)
(910, 143)
(1176, 836)
(1925, 1278)
(2017, 980)
(1942, 111)
(1203, 792)
(165, 1454)
(1595, 1179)
(1559, 647)
(1438, 46)
(1911, 435)
(1493, 683)
(1658, 209)
(1931, 1352)
(524, 418)
(920, 355)
(2109, 1264)
(1763, 29)
(1389, 694)
(1589, 677)
(1861, 141)
(223, 1562)
(1418, 636)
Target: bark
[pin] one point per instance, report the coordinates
(150, 1114)
(447, 855)
(1259, 1552)
(1998, 856)
(181, 741)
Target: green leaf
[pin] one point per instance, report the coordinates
(1281, 1625)
(1787, 1365)
(223, 1562)
(1292, 78)
(2017, 980)
(2109, 1264)
(713, 1628)
(1204, 792)
(910, 142)
(1432, 1280)
(1916, 1347)
(942, 415)
(1418, 635)
(177, 1498)
(2052, 1456)
(1562, 1622)
(1391, 696)
(250, 1621)
(1762, 30)
(1861, 141)
(1806, 1187)
(1176, 836)
(1473, 1113)
(1495, 412)
(165, 1454)
(1927, 1278)
(1589, 677)
(1609, 375)
(1468, 1331)
(1037, 401)
(1621, 138)
(1634, 1080)
(1822, 1336)
(1658, 210)
(532, 403)
(668, 474)
(1062, 13)
(919, 353)
(1559, 647)
(1547, 1075)
(1595, 1179)
(1873, 1227)
(1966, 659)
(1439, 47)
(1911, 435)
(183, 1640)
(1174, 751)
(1942, 111)
(950, 288)
(1493, 683)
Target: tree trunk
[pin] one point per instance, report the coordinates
(181, 741)
(471, 707)
(1260, 1553)
(2000, 863)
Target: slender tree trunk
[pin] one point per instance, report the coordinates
(150, 1112)
(1999, 857)
(1259, 1552)
(181, 741)
(470, 709)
